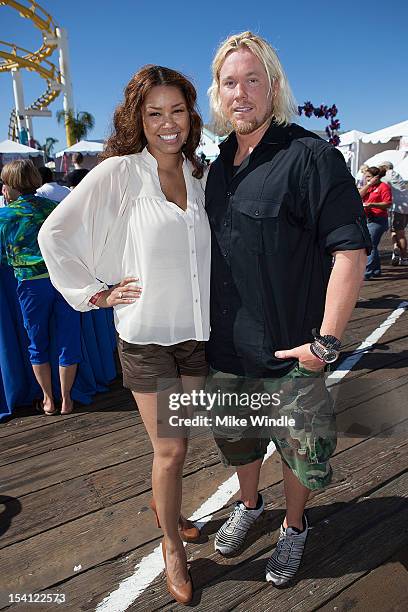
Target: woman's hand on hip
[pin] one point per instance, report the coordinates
(125, 292)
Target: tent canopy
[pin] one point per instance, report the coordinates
(86, 147)
(386, 134)
(393, 156)
(350, 137)
(402, 169)
(9, 147)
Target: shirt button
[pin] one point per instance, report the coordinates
(225, 223)
(193, 252)
(196, 301)
(194, 275)
(257, 212)
(229, 194)
(225, 253)
(225, 283)
(191, 227)
(225, 311)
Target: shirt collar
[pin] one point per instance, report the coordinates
(275, 134)
(151, 161)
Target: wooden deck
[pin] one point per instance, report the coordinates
(75, 490)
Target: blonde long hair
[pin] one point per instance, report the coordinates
(284, 105)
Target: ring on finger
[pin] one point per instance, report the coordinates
(120, 294)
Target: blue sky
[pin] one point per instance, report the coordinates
(349, 53)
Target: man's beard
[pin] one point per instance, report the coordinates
(243, 128)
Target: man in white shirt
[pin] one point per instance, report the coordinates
(50, 189)
(399, 214)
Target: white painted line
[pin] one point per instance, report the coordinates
(152, 565)
(129, 589)
(224, 492)
(349, 362)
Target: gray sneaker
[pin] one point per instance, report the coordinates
(403, 261)
(285, 560)
(231, 535)
(395, 258)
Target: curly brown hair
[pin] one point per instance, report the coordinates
(128, 136)
(379, 172)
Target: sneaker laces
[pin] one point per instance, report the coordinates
(286, 544)
(237, 515)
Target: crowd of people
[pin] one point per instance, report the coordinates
(248, 270)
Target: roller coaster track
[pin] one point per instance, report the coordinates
(13, 57)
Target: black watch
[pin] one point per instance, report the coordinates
(324, 354)
(326, 348)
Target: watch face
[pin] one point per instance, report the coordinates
(330, 356)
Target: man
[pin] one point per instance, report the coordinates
(399, 214)
(78, 173)
(282, 205)
(49, 188)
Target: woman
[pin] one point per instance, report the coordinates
(377, 198)
(20, 222)
(138, 221)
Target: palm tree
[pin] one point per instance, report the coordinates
(79, 124)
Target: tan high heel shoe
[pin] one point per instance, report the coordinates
(183, 593)
(188, 531)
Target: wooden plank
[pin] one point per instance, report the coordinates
(94, 584)
(80, 496)
(38, 512)
(132, 477)
(44, 470)
(87, 541)
(384, 588)
(361, 537)
(32, 442)
(123, 481)
(102, 401)
(228, 580)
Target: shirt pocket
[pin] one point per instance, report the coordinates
(257, 224)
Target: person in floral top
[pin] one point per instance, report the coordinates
(20, 222)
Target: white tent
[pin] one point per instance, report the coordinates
(16, 149)
(394, 156)
(209, 144)
(350, 137)
(402, 169)
(386, 134)
(350, 147)
(86, 147)
(90, 149)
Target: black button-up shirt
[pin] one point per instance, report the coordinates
(275, 223)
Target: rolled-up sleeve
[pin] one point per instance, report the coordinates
(336, 204)
(73, 238)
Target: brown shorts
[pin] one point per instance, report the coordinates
(399, 221)
(149, 367)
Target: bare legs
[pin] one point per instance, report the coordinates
(248, 476)
(168, 460)
(399, 240)
(296, 498)
(42, 373)
(67, 376)
(296, 494)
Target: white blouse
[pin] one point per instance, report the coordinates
(117, 223)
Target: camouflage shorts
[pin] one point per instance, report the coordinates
(307, 439)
